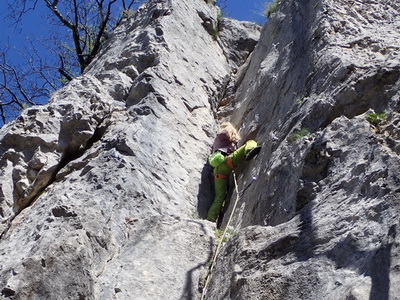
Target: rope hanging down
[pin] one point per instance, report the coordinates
(203, 294)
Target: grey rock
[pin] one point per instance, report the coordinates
(321, 220)
(238, 39)
(99, 188)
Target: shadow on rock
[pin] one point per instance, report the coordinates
(380, 268)
(190, 289)
(375, 263)
(205, 195)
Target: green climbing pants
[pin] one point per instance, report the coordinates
(221, 177)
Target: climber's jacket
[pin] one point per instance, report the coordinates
(219, 157)
(223, 166)
(222, 147)
(216, 159)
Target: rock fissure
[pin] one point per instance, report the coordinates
(115, 218)
(326, 207)
(68, 156)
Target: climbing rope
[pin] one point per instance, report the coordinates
(203, 294)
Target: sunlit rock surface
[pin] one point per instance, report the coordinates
(322, 219)
(100, 188)
(103, 190)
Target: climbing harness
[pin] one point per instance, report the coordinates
(238, 195)
(230, 163)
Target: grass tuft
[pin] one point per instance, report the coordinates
(228, 235)
(299, 134)
(272, 7)
(376, 118)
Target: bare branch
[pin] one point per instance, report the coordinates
(101, 30)
(86, 24)
(129, 6)
(62, 70)
(57, 13)
(65, 74)
(18, 8)
(2, 113)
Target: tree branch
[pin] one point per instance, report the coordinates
(3, 116)
(57, 13)
(101, 31)
(87, 23)
(62, 70)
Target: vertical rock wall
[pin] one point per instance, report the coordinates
(99, 188)
(322, 219)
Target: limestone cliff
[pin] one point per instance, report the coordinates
(322, 219)
(102, 190)
(99, 187)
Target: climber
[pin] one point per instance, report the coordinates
(224, 158)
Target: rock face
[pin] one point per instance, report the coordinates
(101, 190)
(322, 219)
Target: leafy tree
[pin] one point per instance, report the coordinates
(81, 27)
(23, 87)
(87, 24)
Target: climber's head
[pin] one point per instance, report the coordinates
(230, 131)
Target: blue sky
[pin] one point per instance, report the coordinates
(35, 24)
(246, 10)
(35, 28)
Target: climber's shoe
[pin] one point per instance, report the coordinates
(253, 152)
